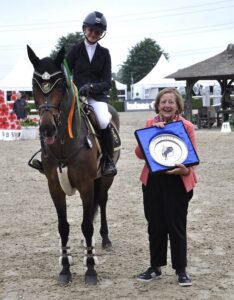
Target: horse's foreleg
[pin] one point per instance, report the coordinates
(90, 259)
(65, 259)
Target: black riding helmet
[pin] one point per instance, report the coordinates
(95, 20)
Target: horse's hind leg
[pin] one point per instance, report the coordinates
(65, 260)
(101, 197)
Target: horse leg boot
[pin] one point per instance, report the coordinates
(108, 166)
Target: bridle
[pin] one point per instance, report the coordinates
(46, 82)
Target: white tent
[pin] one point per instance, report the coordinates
(120, 86)
(148, 87)
(20, 77)
(122, 89)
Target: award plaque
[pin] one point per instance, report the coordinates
(165, 147)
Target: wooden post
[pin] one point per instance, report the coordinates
(188, 99)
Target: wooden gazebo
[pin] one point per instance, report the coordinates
(219, 67)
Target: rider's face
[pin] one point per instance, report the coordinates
(93, 35)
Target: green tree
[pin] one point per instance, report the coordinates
(67, 42)
(113, 91)
(140, 61)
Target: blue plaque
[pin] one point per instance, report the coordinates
(165, 147)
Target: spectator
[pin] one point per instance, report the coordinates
(19, 106)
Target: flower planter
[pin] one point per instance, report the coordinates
(29, 133)
(10, 134)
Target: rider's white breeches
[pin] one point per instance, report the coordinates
(101, 111)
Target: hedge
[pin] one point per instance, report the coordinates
(118, 105)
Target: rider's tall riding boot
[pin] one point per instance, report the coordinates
(108, 165)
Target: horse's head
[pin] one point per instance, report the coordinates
(49, 88)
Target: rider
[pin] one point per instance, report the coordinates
(90, 65)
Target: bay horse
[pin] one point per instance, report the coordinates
(51, 94)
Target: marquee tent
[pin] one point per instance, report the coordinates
(122, 90)
(20, 77)
(148, 87)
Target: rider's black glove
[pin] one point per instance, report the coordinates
(85, 90)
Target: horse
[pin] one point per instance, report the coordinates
(80, 155)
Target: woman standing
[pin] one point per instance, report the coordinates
(166, 197)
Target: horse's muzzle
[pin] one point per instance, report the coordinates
(48, 133)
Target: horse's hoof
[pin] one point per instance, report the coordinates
(106, 244)
(91, 277)
(65, 278)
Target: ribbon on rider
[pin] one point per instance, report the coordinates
(71, 113)
(71, 116)
(73, 120)
(67, 73)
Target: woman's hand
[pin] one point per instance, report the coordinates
(179, 170)
(159, 124)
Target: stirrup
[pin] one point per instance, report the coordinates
(36, 164)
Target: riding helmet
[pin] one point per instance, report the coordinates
(95, 20)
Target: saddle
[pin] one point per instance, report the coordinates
(94, 125)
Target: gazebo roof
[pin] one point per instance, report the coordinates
(220, 66)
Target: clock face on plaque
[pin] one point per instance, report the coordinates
(168, 150)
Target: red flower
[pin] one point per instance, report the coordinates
(36, 120)
(4, 110)
(4, 124)
(13, 126)
(12, 117)
(10, 105)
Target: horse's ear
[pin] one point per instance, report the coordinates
(32, 57)
(60, 57)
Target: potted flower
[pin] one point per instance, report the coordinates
(29, 128)
(10, 129)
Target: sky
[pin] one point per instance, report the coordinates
(189, 31)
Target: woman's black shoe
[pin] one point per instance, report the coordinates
(149, 275)
(184, 279)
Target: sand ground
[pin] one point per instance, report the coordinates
(28, 228)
